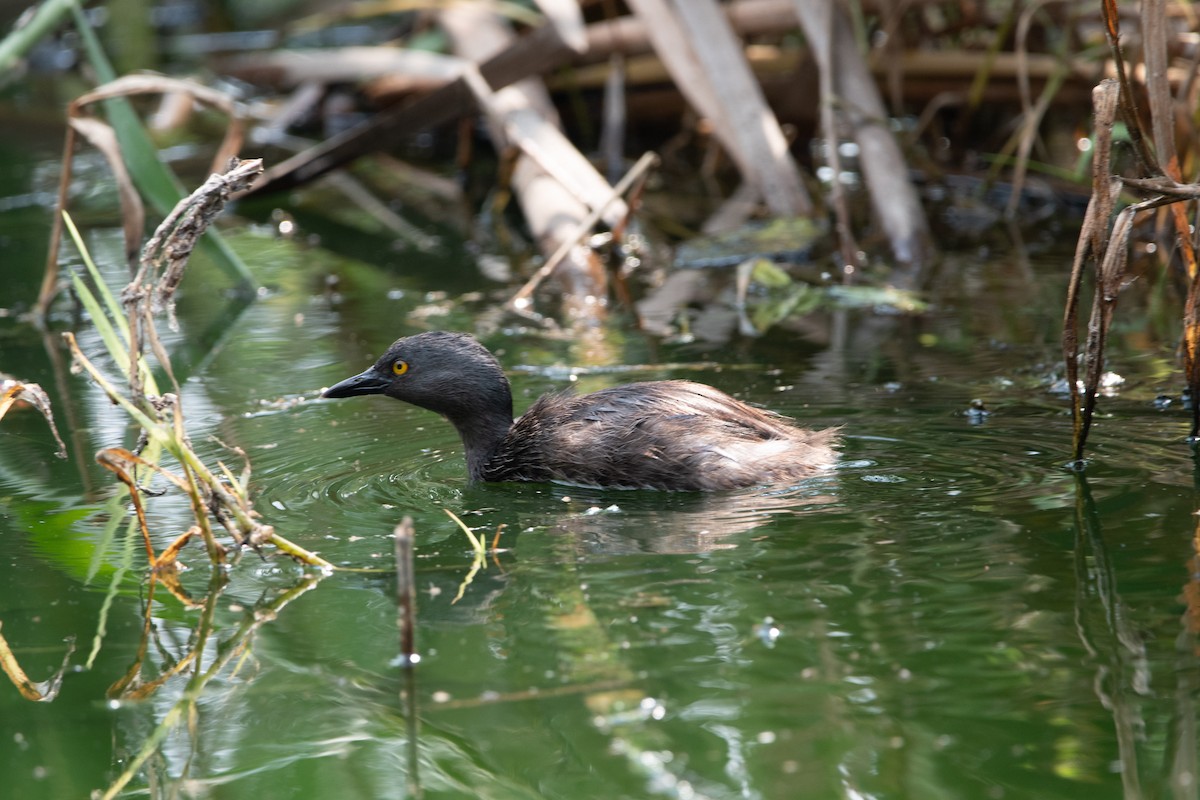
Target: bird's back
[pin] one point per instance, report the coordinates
(674, 435)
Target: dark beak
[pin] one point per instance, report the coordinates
(369, 382)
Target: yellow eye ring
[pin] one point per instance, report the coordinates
(399, 367)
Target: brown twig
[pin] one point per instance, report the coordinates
(1112, 29)
(406, 590)
(1092, 243)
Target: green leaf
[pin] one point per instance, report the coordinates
(796, 303)
(770, 274)
(114, 308)
(106, 327)
(876, 296)
(21, 40)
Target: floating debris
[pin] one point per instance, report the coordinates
(790, 240)
(977, 412)
(767, 631)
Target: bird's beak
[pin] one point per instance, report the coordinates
(369, 382)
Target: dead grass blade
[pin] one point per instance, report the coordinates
(38, 691)
(113, 461)
(122, 463)
(132, 169)
(13, 391)
(101, 136)
(141, 84)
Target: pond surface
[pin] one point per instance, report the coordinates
(949, 614)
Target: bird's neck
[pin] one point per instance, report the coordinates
(481, 436)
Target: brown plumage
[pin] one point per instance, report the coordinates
(674, 435)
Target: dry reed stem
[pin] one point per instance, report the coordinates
(1162, 119)
(1133, 121)
(1092, 243)
(406, 590)
(1109, 250)
(708, 65)
(102, 136)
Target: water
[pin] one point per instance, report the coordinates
(950, 614)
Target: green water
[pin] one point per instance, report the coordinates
(949, 614)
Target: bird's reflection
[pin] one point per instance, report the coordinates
(617, 522)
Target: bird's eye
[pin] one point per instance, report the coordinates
(399, 367)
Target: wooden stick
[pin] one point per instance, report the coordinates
(520, 300)
(406, 591)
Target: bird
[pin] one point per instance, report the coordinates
(672, 435)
